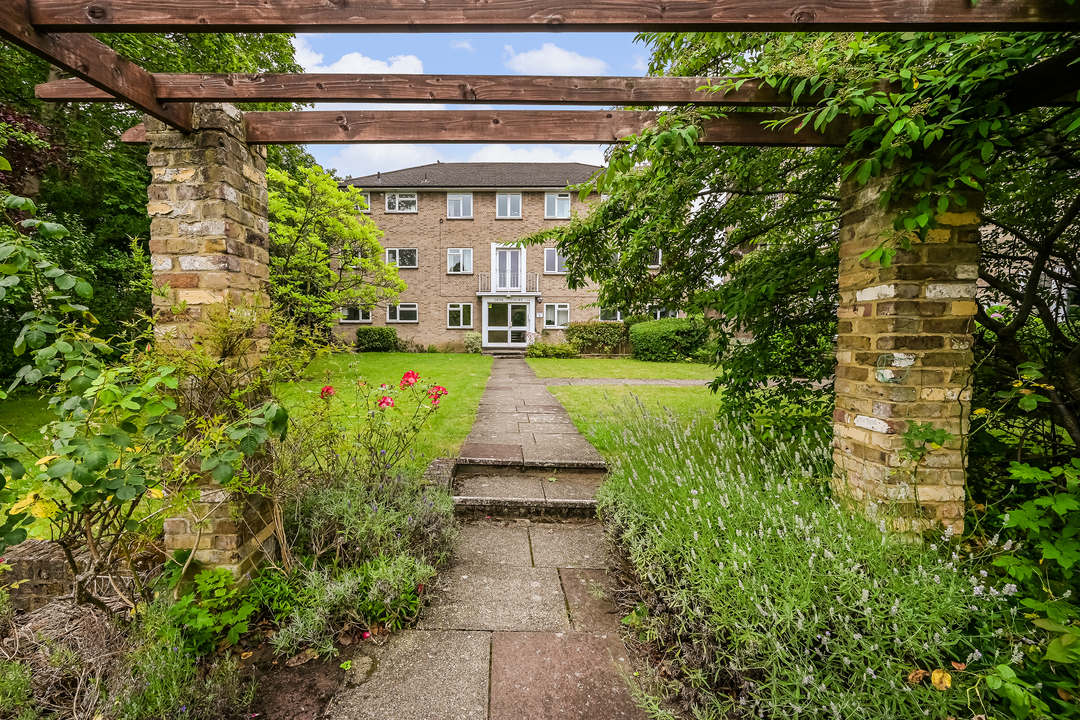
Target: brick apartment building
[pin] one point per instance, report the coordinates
(448, 227)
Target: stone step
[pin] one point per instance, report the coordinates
(530, 508)
(534, 493)
(504, 354)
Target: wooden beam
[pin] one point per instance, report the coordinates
(463, 89)
(1053, 82)
(93, 61)
(516, 127)
(549, 15)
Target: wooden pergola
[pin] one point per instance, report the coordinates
(58, 31)
(211, 239)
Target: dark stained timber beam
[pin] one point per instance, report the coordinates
(93, 61)
(548, 15)
(464, 89)
(516, 126)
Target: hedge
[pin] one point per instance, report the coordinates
(551, 350)
(668, 339)
(376, 339)
(596, 336)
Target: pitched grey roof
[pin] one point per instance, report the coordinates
(479, 175)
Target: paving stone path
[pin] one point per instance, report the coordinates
(520, 627)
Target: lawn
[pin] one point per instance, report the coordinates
(463, 375)
(588, 404)
(22, 415)
(622, 368)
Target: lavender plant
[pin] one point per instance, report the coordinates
(768, 598)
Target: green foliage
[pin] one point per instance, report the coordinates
(541, 349)
(16, 696)
(212, 609)
(161, 678)
(474, 343)
(596, 337)
(668, 339)
(376, 338)
(762, 593)
(324, 254)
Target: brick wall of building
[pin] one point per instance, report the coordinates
(432, 288)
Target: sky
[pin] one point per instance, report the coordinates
(475, 54)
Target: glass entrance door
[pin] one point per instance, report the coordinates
(508, 276)
(507, 323)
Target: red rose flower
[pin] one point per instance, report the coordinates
(327, 392)
(409, 379)
(386, 402)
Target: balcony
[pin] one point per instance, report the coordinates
(509, 282)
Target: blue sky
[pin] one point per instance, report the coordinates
(477, 54)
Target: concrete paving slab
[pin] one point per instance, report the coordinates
(498, 598)
(500, 438)
(495, 426)
(549, 676)
(507, 416)
(568, 545)
(411, 681)
(572, 487)
(560, 418)
(544, 428)
(587, 592)
(478, 454)
(562, 451)
(503, 486)
(544, 408)
(485, 543)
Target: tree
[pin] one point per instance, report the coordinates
(324, 255)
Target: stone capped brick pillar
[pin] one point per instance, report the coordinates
(904, 356)
(208, 243)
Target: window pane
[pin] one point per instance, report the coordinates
(392, 312)
(609, 314)
(466, 205)
(365, 314)
(549, 205)
(406, 257)
(515, 206)
(498, 315)
(466, 258)
(560, 262)
(564, 206)
(407, 313)
(406, 202)
(498, 336)
(453, 206)
(391, 201)
(502, 206)
(466, 315)
(352, 314)
(549, 315)
(391, 256)
(564, 316)
(455, 316)
(549, 258)
(519, 316)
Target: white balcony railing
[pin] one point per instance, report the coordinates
(510, 282)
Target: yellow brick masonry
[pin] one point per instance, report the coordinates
(208, 243)
(432, 288)
(919, 314)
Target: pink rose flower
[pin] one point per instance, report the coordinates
(386, 402)
(437, 391)
(409, 379)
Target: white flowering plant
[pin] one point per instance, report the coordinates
(767, 597)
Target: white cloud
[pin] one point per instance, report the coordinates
(550, 59)
(358, 160)
(640, 66)
(462, 45)
(354, 62)
(589, 154)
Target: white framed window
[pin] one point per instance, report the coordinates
(459, 261)
(609, 315)
(458, 205)
(554, 261)
(655, 257)
(659, 312)
(364, 207)
(402, 313)
(508, 206)
(356, 315)
(459, 315)
(402, 257)
(401, 202)
(557, 205)
(556, 315)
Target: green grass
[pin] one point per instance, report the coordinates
(623, 368)
(588, 405)
(23, 415)
(463, 375)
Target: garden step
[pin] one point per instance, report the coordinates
(484, 491)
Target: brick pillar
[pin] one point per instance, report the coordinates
(208, 242)
(904, 355)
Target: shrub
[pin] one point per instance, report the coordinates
(551, 350)
(371, 338)
(474, 342)
(668, 340)
(16, 698)
(596, 336)
(763, 597)
(433, 348)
